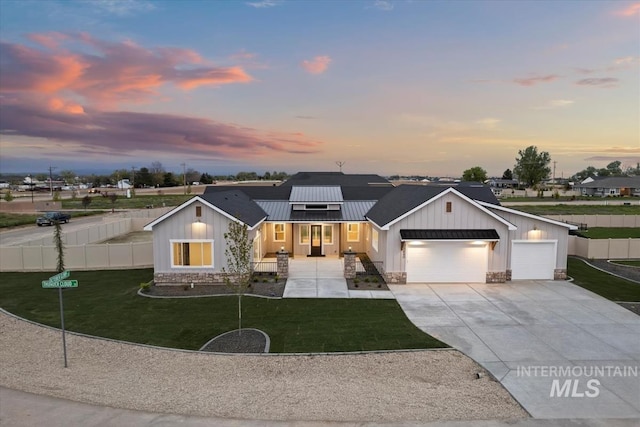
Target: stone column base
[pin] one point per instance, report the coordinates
(395, 278)
(560, 274)
(496, 276)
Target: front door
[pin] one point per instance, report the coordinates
(316, 240)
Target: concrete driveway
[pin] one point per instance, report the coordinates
(560, 350)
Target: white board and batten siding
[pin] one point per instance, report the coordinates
(544, 231)
(463, 215)
(183, 225)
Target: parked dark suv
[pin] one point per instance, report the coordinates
(50, 217)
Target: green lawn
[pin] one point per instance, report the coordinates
(105, 304)
(603, 284)
(611, 233)
(631, 263)
(16, 219)
(573, 209)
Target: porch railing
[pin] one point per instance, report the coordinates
(264, 267)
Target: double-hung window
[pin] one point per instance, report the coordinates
(353, 232)
(192, 253)
(278, 232)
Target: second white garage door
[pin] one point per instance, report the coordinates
(533, 260)
(446, 262)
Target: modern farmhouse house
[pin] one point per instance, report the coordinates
(415, 233)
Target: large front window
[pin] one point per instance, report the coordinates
(328, 235)
(353, 232)
(192, 253)
(278, 233)
(304, 234)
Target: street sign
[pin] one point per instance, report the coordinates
(59, 276)
(48, 284)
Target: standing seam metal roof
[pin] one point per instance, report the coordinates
(350, 211)
(315, 194)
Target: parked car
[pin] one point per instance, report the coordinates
(50, 217)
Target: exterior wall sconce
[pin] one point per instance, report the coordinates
(281, 248)
(349, 248)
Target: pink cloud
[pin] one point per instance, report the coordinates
(532, 81)
(317, 65)
(632, 9)
(120, 132)
(113, 72)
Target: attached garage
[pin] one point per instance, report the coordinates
(447, 256)
(533, 259)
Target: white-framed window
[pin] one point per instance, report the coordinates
(304, 234)
(278, 232)
(327, 235)
(374, 239)
(353, 232)
(191, 253)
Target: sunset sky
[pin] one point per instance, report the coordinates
(389, 87)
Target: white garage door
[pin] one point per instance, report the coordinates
(533, 260)
(446, 262)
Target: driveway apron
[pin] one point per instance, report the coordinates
(560, 350)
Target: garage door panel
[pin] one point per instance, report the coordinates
(533, 260)
(446, 262)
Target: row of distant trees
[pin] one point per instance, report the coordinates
(533, 167)
(155, 175)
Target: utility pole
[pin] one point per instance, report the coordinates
(133, 179)
(51, 168)
(340, 164)
(554, 172)
(184, 177)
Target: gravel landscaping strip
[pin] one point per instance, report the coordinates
(385, 387)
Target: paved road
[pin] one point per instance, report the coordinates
(521, 331)
(21, 235)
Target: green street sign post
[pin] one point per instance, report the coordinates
(58, 282)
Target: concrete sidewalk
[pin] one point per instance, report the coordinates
(323, 278)
(541, 340)
(20, 409)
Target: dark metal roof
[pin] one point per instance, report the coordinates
(237, 204)
(259, 192)
(463, 234)
(613, 182)
(334, 178)
(350, 211)
(331, 216)
(404, 198)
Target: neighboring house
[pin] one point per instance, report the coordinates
(610, 187)
(124, 184)
(502, 183)
(415, 233)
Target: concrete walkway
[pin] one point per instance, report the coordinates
(20, 409)
(323, 277)
(527, 333)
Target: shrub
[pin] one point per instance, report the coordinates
(56, 196)
(366, 280)
(356, 281)
(145, 286)
(8, 196)
(265, 280)
(375, 280)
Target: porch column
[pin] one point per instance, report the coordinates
(283, 264)
(349, 265)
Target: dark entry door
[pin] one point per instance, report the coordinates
(316, 240)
